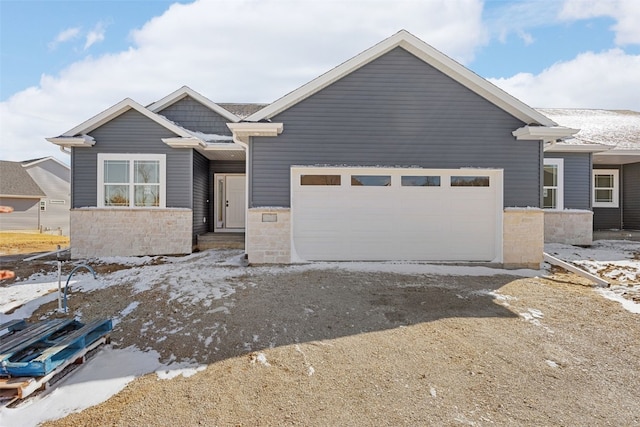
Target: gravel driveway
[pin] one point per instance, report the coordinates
(330, 345)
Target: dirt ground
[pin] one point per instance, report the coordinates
(27, 243)
(335, 347)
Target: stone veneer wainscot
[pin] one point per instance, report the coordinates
(145, 232)
(571, 227)
(523, 237)
(269, 235)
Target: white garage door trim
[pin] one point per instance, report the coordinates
(389, 221)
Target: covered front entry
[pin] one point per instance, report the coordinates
(396, 214)
(230, 202)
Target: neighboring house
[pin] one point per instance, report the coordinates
(399, 153)
(597, 170)
(39, 192)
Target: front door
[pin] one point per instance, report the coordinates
(230, 200)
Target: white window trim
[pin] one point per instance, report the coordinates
(559, 163)
(616, 188)
(162, 158)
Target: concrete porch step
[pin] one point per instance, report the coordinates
(220, 241)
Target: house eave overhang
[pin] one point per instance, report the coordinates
(73, 141)
(185, 91)
(244, 130)
(197, 143)
(574, 148)
(544, 133)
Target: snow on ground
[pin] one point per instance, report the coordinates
(189, 280)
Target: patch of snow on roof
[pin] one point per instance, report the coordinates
(619, 129)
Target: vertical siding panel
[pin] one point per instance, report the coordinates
(607, 218)
(577, 179)
(631, 196)
(395, 111)
(131, 132)
(201, 192)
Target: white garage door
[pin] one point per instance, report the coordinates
(396, 214)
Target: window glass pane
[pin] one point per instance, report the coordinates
(604, 195)
(371, 180)
(549, 198)
(605, 181)
(116, 171)
(320, 180)
(116, 195)
(550, 176)
(147, 195)
(421, 181)
(469, 181)
(147, 171)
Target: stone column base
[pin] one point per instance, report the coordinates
(523, 237)
(269, 235)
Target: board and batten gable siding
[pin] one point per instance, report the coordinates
(131, 132)
(608, 218)
(192, 115)
(395, 111)
(577, 179)
(201, 194)
(631, 195)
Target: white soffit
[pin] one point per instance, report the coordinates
(428, 54)
(547, 134)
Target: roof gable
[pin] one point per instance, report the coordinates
(426, 53)
(118, 109)
(185, 91)
(15, 181)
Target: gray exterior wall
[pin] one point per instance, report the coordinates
(192, 115)
(201, 194)
(631, 196)
(577, 179)
(608, 218)
(24, 216)
(54, 179)
(131, 132)
(395, 111)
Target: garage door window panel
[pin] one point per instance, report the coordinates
(320, 180)
(420, 181)
(470, 181)
(370, 180)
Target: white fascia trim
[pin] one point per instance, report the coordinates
(185, 91)
(426, 53)
(223, 146)
(118, 109)
(73, 141)
(242, 131)
(613, 152)
(546, 134)
(190, 142)
(575, 148)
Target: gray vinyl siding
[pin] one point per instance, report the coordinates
(631, 196)
(131, 132)
(234, 166)
(607, 218)
(577, 179)
(25, 215)
(192, 115)
(201, 218)
(395, 111)
(53, 178)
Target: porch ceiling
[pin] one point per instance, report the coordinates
(223, 154)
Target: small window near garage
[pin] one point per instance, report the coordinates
(553, 180)
(320, 180)
(370, 180)
(605, 188)
(43, 205)
(420, 181)
(469, 181)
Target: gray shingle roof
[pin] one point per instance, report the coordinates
(15, 181)
(242, 110)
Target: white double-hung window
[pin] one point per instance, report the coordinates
(605, 188)
(553, 185)
(132, 180)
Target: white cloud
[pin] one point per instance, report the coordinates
(64, 36)
(626, 13)
(235, 50)
(95, 35)
(609, 80)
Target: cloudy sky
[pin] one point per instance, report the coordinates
(62, 62)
